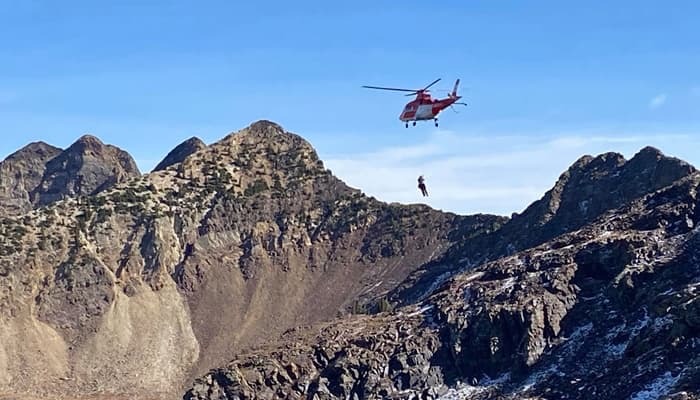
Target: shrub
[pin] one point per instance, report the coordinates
(358, 308)
(384, 305)
(102, 215)
(258, 186)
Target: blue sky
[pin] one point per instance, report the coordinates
(546, 81)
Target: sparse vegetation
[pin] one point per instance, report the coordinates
(102, 215)
(384, 305)
(276, 183)
(358, 308)
(257, 187)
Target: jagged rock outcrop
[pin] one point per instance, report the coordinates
(149, 283)
(589, 188)
(20, 174)
(87, 167)
(604, 312)
(40, 174)
(180, 152)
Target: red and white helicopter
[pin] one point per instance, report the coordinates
(424, 107)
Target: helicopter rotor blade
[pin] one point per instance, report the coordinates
(387, 88)
(434, 82)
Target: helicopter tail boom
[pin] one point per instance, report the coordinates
(454, 90)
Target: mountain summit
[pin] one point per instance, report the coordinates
(179, 153)
(20, 174)
(87, 167)
(40, 174)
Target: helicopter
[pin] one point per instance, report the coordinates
(424, 107)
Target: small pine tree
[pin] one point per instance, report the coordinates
(384, 305)
(358, 308)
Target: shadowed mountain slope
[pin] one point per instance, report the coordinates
(179, 153)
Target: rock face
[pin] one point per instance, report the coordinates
(20, 174)
(179, 153)
(147, 284)
(40, 174)
(588, 189)
(87, 167)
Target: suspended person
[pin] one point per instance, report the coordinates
(421, 186)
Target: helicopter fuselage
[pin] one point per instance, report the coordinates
(425, 108)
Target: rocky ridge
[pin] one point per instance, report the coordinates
(114, 292)
(608, 310)
(589, 188)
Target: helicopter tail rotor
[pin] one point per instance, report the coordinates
(454, 89)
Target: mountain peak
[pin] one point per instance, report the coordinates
(86, 142)
(41, 149)
(264, 125)
(591, 187)
(89, 139)
(266, 139)
(651, 157)
(180, 152)
(601, 164)
(581, 162)
(20, 173)
(88, 166)
(260, 155)
(259, 131)
(650, 151)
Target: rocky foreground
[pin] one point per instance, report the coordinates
(244, 269)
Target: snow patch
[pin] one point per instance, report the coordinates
(473, 276)
(436, 283)
(662, 323)
(616, 349)
(465, 391)
(506, 284)
(367, 290)
(604, 234)
(641, 324)
(576, 339)
(658, 388)
(536, 377)
(657, 324)
(584, 298)
(583, 206)
(420, 311)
